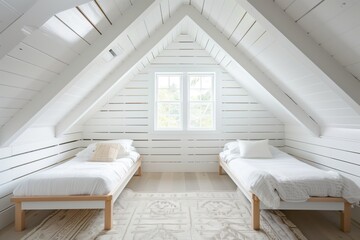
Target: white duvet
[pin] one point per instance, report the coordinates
(285, 178)
(78, 177)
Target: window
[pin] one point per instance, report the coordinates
(201, 102)
(184, 101)
(168, 101)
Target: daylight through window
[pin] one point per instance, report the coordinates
(185, 101)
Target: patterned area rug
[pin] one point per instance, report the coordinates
(169, 216)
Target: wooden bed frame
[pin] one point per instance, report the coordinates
(313, 203)
(105, 202)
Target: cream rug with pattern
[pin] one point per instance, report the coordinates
(169, 216)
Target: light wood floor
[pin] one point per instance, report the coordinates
(315, 225)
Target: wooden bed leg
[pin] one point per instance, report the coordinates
(220, 170)
(108, 214)
(255, 212)
(346, 217)
(19, 217)
(139, 171)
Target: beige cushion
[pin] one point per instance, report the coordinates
(106, 152)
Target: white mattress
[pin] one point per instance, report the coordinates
(78, 177)
(285, 178)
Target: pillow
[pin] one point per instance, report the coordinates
(90, 149)
(254, 149)
(233, 147)
(125, 142)
(106, 152)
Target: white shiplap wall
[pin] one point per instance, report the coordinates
(35, 152)
(328, 152)
(130, 114)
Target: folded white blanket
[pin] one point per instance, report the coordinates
(286, 178)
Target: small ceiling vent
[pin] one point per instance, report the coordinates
(112, 53)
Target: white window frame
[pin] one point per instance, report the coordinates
(189, 101)
(185, 102)
(180, 101)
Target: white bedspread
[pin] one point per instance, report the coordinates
(284, 177)
(78, 177)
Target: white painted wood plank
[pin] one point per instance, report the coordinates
(326, 161)
(13, 35)
(225, 14)
(233, 21)
(312, 55)
(133, 92)
(207, 8)
(7, 112)
(153, 20)
(299, 8)
(261, 44)
(35, 166)
(117, 121)
(188, 53)
(249, 121)
(26, 158)
(7, 15)
(38, 105)
(137, 34)
(92, 11)
(183, 46)
(37, 144)
(111, 9)
(73, 18)
(129, 99)
(231, 98)
(57, 31)
(12, 103)
(33, 56)
(329, 13)
(126, 107)
(14, 80)
(283, 4)
(117, 114)
(254, 129)
(246, 114)
(338, 155)
(14, 65)
(184, 60)
(242, 28)
(252, 36)
(215, 11)
(242, 107)
(233, 84)
(354, 69)
(13, 92)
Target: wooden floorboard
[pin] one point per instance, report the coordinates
(315, 225)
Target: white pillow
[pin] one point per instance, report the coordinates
(233, 147)
(254, 149)
(90, 149)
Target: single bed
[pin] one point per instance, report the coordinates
(286, 183)
(79, 183)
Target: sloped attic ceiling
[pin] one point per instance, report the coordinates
(244, 32)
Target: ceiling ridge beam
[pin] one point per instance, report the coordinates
(32, 19)
(295, 39)
(114, 80)
(253, 73)
(43, 101)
